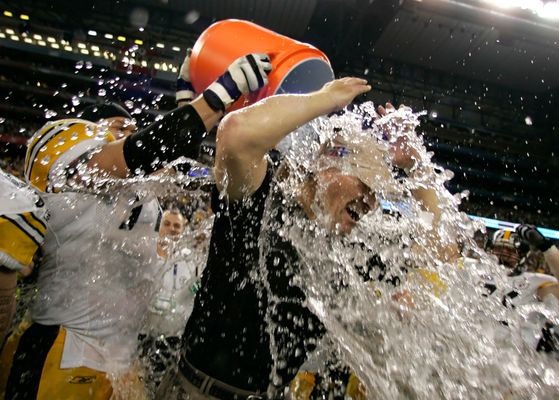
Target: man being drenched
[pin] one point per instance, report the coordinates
(236, 319)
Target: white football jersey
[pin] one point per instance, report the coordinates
(92, 278)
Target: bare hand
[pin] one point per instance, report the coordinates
(404, 156)
(342, 91)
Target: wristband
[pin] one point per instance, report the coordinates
(213, 101)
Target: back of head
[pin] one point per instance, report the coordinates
(97, 112)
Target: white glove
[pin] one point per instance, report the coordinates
(185, 90)
(246, 74)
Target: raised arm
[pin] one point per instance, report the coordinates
(178, 133)
(245, 136)
(181, 131)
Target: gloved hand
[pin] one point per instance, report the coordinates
(185, 90)
(530, 234)
(246, 74)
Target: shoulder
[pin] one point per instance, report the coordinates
(221, 201)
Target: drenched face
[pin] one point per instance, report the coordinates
(344, 199)
(172, 225)
(119, 126)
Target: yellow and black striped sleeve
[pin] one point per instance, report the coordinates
(21, 235)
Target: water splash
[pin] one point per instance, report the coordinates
(435, 335)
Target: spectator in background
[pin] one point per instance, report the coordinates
(172, 302)
(525, 287)
(537, 241)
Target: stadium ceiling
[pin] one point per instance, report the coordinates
(475, 39)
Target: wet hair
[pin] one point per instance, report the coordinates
(96, 112)
(174, 211)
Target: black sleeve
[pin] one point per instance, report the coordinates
(179, 133)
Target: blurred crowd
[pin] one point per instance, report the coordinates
(138, 294)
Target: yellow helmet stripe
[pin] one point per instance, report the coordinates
(42, 141)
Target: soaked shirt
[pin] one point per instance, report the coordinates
(247, 297)
(92, 278)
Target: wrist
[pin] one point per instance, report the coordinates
(325, 102)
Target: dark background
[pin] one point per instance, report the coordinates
(487, 76)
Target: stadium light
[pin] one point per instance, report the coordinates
(81, 45)
(108, 36)
(139, 42)
(84, 51)
(55, 45)
(14, 38)
(121, 38)
(95, 48)
(8, 14)
(157, 66)
(92, 33)
(550, 11)
(10, 31)
(37, 37)
(28, 40)
(2, 35)
(24, 17)
(176, 48)
(42, 43)
(68, 48)
(160, 45)
(51, 40)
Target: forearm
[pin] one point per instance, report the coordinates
(259, 128)
(8, 280)
(244, 137)
(178, 133)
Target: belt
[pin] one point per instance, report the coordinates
(214, 387)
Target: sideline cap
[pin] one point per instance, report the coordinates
(360, 157)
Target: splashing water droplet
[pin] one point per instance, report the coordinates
(50, 114)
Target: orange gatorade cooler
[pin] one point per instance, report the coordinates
(297, 67)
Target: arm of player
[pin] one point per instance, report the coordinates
(245, 136)
(181, 131)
